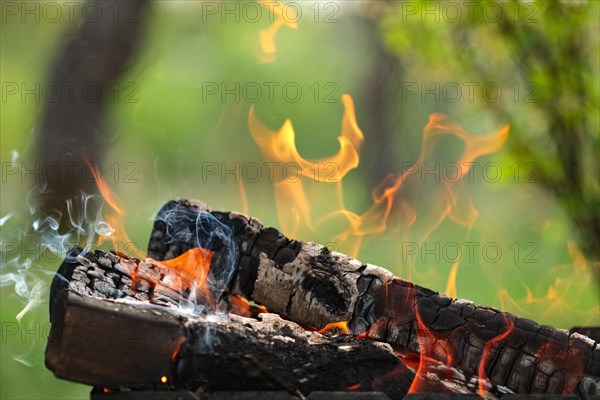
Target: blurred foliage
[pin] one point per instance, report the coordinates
(541, 61)
(173, 127)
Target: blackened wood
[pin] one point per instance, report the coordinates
(103, 334)
(99, 394)
(175, 231)
(537, 397)
(104, 343)
(253, 395)
(313, 286)
(274, 354)
(441, 396)
(280, 395)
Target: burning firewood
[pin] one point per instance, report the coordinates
(104, 335)
(159, 338)
(313, 286)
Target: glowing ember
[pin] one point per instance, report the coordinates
(433, 351)
(485, 357)
(572, 361)
(177, 349)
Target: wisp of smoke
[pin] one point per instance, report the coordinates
(205, 231)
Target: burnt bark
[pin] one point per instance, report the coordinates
(313, 286)
(103, 334)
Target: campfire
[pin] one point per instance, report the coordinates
(219, 305)
(223, 303)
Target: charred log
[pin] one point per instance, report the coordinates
(103, 334)
(313, 286)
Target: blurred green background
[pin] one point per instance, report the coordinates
(400, 61)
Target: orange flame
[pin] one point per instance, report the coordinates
(284, 16)
(293, 206)
(566, 296)
(580, 263)
(107, 193)
(177, 349)
(398, 197)
(341, 326)
(241, 306)
(485, 356)
(192, 266)
(397, 200)
(114, 219)
(281, 145)
(191, 271)
(433, 351)
(572, 362)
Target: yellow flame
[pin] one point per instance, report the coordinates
(566, 296)
(580, 264)
(284, 16)
(403, 202)
(293, 205)
(281, 146)
(451, 285)
(399, 197)
(397, 200)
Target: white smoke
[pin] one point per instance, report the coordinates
(33, 245)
